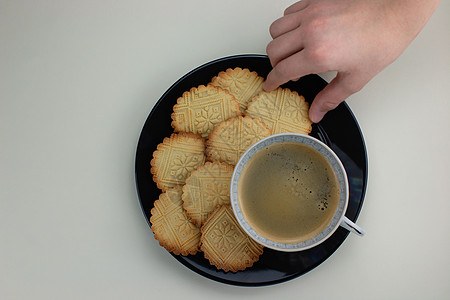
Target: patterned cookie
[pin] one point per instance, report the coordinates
(225, 244)
(282, 110)
(175, 158)
(205, 189)
(172, 227)
(231, 138)
(241, 83)
(201, 108)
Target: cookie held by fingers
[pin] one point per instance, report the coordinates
(282, 110)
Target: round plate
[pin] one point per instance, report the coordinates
(339, 130)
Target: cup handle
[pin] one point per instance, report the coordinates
(352, 227)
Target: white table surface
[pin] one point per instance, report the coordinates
(77, 81)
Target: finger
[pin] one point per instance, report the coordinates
(293, 67)
(331, 96)
(296, 7)
(284, 25)
(284, 46)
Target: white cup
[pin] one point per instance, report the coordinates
(338, 218)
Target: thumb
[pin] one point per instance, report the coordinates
(340, 88)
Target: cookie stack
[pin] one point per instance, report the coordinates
(213, 126)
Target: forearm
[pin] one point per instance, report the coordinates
(412, 15)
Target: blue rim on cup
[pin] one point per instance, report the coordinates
(338, 219)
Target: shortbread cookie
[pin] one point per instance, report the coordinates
(241, 83)
(231, 138)
(175, 158)
(172, 227)
(201, 108)
(205, 189)
(225, 244)
(282, 110)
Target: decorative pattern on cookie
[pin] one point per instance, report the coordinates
(205, 189)
(172, 227)
(282, 110)
(241, 83)
(225, 244)
(175, 158)
(203, 107)
(231, 138)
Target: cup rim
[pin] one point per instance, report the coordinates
(338, 169)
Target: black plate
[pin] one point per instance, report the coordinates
(339, 130)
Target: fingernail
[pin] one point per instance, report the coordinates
(268, 87)
(315, 117)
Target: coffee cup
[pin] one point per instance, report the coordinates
(290, 192)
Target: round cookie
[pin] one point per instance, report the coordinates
(231, 138)
(241, 83)
(203, 107)
(205, 189)
(172, 227)
(175, 158)
(225, 244)
(282, 110)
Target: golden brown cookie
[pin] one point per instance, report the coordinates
(225, 244)
(241, 83)
(172, 227)
(205, 189)
(175, 158)
(231, 138)
(282, 110)
(203, 107)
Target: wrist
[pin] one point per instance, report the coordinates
(411, 15)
